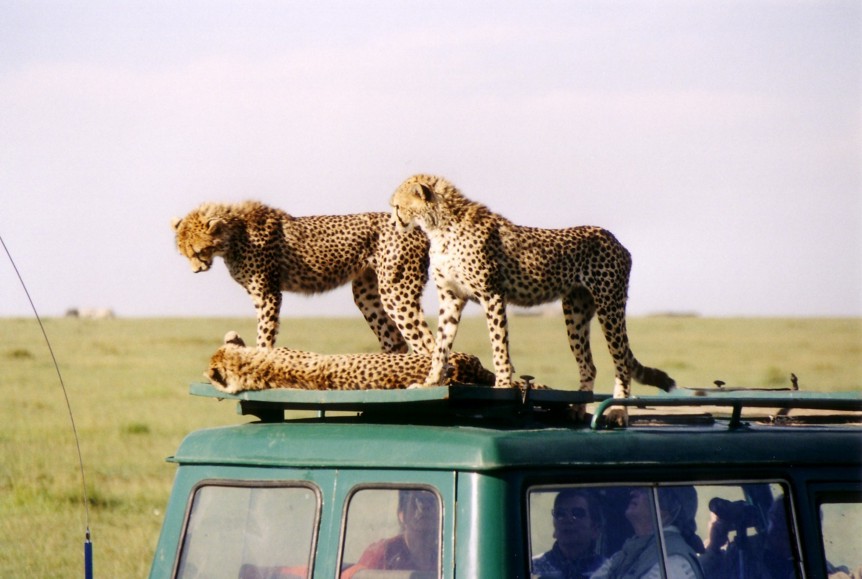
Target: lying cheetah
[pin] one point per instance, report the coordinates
(235, 367)
(477, 254)
(268, 251)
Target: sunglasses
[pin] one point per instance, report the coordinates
(574, 513)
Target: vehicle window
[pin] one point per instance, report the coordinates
(749, 536)
(249, 532)
(571, 529)
(392, 529)
(692, 531)
(841, 526)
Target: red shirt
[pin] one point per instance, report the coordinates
(391, 554)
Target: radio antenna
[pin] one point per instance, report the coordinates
(88, 545)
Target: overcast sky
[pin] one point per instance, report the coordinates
(720, 141)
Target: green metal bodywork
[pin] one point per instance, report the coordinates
(349, 445)
(481, 448)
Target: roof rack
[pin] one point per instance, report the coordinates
(269, 405)
(738, 398)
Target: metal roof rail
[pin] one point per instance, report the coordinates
(737, 399)
(269, 405)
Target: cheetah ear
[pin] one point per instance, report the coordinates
(423, 191)
(216, 377)
(175, 222)
(233, 338)
(214, 226)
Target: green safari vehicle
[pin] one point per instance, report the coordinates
(478, 483)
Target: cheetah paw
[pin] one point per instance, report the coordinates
(504, 384)
(617, 417)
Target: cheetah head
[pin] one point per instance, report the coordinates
(414, 203)
(220, 362)
(200, 239)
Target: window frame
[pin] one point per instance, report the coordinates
(557, 483)
(391, 486)
(251, 484)
(831, 494)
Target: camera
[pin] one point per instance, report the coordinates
(740, 513)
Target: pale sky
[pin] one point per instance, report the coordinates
(720, 141)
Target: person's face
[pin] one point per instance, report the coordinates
(574, 530)
(639, 509)
(420, 512)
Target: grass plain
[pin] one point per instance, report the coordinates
(127, 381)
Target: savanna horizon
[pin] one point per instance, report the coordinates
(127, 380)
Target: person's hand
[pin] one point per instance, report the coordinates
(718, 532)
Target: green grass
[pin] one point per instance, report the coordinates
(127, 381)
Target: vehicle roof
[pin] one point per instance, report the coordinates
(483, 429)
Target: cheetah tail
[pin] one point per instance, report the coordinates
(651, 376)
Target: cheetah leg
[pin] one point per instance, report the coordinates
(267, 302)
(578, 311)
(403, 305)
(498, 330)
(451, 307)
(614, 326)
(367, 299)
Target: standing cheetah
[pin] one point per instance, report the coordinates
(476, 254)
(268, 251)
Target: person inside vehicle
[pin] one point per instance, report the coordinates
(578, 523)
(416, 547)
(640, 554)
(768, 555)
(842, 571)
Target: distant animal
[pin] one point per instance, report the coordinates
(91, 313)
(235, 367)
(268, 251)
(476, 254)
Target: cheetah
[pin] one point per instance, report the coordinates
(479, 255)
(268, 251)
(235, 367)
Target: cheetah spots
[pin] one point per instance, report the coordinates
(234, 368)
(492, 260)
(268, 251)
